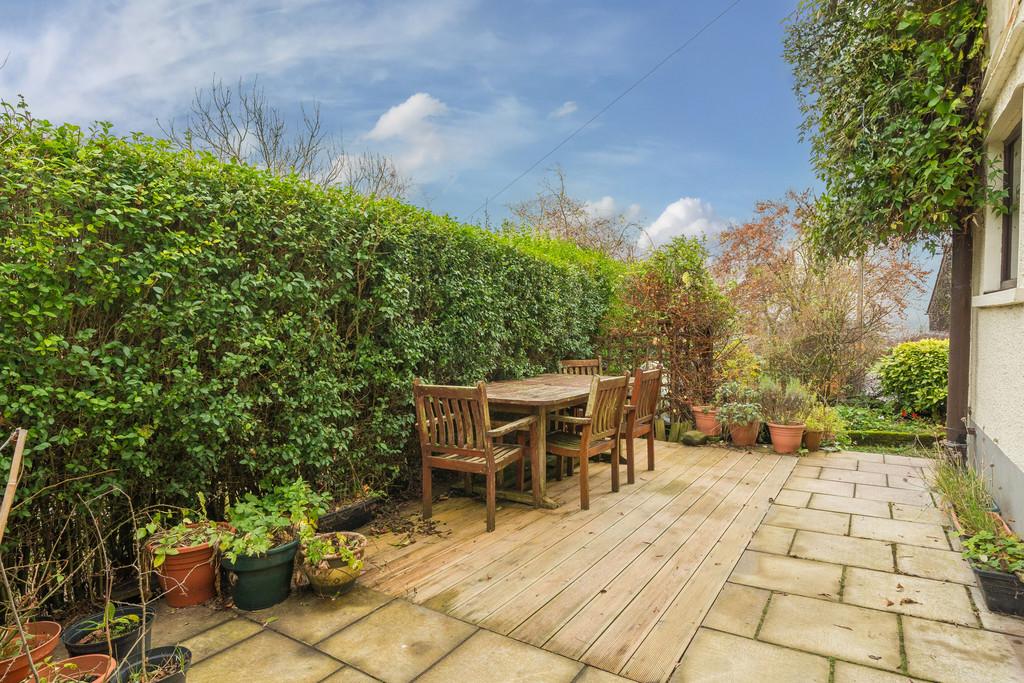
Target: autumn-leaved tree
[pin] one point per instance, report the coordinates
(889, 90)
(823, 320)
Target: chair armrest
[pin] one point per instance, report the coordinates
(571, 419)
(522, 423)
(630, 408)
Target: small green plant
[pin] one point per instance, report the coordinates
(999, 552)
(110, 625)
(783, 404)
(914, 375)
(10, 642)
(824, 418)
(194, 528)
(739, 413)
(735, 392)
(965, 491)
(324, 547)
(263, 522)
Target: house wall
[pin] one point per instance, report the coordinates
(996, 402)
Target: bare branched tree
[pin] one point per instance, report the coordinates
(239, 124)
(554, 213)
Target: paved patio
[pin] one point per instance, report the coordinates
(851, 576)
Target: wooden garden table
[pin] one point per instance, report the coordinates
(538, 396)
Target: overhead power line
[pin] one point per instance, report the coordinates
(608, 106)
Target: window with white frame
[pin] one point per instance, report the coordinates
(1011, 219)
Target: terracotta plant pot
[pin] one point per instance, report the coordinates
(101, 667)
(812, 439)
(786, 438)
(336, 578)
(706, 420)
(45, 635)
(188, 578)
(744, 435)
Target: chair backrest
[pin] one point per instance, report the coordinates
(452, 419)
(606, 404)
(591, 366)
(646, 393)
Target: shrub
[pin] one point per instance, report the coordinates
(965, 491)
(783, 404)
(172, 324)
(824, 418)
(914, 375)
(739, 413)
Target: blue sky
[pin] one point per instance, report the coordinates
(464, 94)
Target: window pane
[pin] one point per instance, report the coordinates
(1015, 211)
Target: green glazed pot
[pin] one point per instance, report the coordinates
(262, 581)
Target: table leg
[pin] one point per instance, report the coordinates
(539, 466)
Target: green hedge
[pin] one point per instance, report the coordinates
(185, 325)
(915, 375)
(884, 438)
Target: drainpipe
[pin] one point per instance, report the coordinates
(959, 342)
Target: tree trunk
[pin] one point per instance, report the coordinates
(959, 339)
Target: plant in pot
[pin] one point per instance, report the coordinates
(743, 420)
(998, 561)
(25, 647)
(121, 631)
(705, 416)
(183, 554)
(168, 664)
(259, 551)
(81, 669)
(333, 561)
(822, 424)
(784, 408)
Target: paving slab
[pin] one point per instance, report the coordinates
(853, 476)
(930, 563)
(945, 652)
(310, 619)
(812, 520)
(267, 656)
(909, 595)
(347, 674)
(858, 506)
(908, 460)
(489, 656)
(806, 471)
(1003, 623)
(835, 488)
(789, 574)
(893, 495)
(406, 640)
(901, 470)
(918, 513)
(834, 630)
(791, 498)
(772, 539)
(220, 637)
(897, 531)
(861, 455)
(173, 626)
(715, 657)
(834, 463)
(905, 482)
(854, 673)
(954, 540)
(737, 609)
(858, 552)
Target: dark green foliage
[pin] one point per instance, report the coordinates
(870, 437)
(172, 324)
(914, 374)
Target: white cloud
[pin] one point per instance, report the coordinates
(429, 140)
(607, 207)
(688, 216)
(564, 110)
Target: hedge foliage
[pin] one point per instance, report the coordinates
(915, 374)
(173, 324)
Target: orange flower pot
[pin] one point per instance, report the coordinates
(44, 640)
(706, 420)
(812, 439)
(786, 438)
(744, 435)
(100, 667)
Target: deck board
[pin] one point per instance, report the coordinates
(622, 586)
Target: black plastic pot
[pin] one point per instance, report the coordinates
(262, 581)
(123, 648)
(1003, 592)
(156, 658)
(348, 517)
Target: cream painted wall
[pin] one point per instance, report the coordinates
(998, 378)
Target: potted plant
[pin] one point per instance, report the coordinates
(706, 419)
(260, 551)
(184, 555)
(121, 631)
(784, 407)
(333, 561)
(998, 561)
(743, 420)
(40, 639)
(81, 669)
(168, 664)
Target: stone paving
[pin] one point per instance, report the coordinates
(853, 576)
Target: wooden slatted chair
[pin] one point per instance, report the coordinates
(455, 434)
(591, 366)
(599, 431)
(640, 415)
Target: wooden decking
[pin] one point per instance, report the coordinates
(622, 586)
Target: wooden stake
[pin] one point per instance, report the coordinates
(12, 480)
